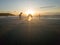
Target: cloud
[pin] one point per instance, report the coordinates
(48, 7)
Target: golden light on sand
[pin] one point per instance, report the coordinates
(29, 11)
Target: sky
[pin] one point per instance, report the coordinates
(15, 6)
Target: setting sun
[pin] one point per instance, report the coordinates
(29, 11)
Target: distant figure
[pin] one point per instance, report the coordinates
(29, 15)
(39, 16)
(20, 15)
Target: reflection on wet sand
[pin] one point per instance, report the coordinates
(35, 31)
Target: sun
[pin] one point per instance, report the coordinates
(29, 11)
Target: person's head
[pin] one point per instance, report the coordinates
(21, 13)
(30, 14)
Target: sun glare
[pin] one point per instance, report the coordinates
(29, 11)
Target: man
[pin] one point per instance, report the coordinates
(39, 16)
(20, 15)
(29, 15)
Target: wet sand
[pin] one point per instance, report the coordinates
(43, 31)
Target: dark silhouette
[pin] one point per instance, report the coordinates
(20, 15)
(39, 16)
(29, 15)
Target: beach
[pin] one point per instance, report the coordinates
(37, 31)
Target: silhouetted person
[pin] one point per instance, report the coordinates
(39, 16)
(20, 15)
(29, 15)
